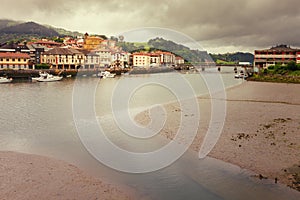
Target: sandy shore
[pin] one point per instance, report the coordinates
(31, 177)
(261, 131)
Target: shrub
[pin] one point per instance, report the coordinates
(42, 66)
(292, 66)
(271, 67)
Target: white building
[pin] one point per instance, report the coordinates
(155, 60)
(63, 58)
(167, 58)
(179, 60)
(141, 59)
(120, 59)
(105, 57)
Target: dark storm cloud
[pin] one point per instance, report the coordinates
(219, 23)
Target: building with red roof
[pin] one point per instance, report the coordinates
(281, 54)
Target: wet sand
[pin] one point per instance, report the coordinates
(31, 177)
(261, 132)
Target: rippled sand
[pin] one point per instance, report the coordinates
(261, 132)
(31, 177)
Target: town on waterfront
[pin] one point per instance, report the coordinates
(224, 126)
(90, 54)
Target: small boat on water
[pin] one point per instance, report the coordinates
(5, 80)
(42, 75)
(106, 74)
(46, 77)
(49, 78)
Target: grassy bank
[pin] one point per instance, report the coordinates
(289, 73)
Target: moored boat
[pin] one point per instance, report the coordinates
(48, 78)
(106, 74)
(5, 80)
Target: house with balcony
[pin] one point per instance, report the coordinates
(166, 58)
(91, 60)
(120, 59)
(63, 58)
(281, 54)
(155, 60)
(104, 57)
(13, 60)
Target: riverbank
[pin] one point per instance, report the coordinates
(276, 78)
(25, 176)
(261, 130)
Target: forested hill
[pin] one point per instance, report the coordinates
(17, 31)
(193, 56)
(232, 58)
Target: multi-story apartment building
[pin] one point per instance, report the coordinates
(63, 58)
(155, 60)
(179, 60)
(91, 60)
(282, 54)
(104, 56)
(166, 58)
(141, 59)
(158, 58)
(120, 59)
(12, 60)
(69, 58)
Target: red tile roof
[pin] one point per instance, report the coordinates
(14, 55)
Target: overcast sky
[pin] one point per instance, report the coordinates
(217, 25)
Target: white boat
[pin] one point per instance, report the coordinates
(48, 78)
(241, 75)
(42, 75)
(5, 80)
(106, 74)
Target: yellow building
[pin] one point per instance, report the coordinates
(10, 60)
(92, 42)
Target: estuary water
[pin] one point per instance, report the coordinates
(37, 118)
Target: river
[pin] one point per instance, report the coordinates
(37, 118)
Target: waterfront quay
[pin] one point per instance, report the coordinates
(28, 73)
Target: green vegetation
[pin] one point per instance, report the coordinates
(232, 58)
(289, 73)
(223, 62)
(189, 55)
(19, 31)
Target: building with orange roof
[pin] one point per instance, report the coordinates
(12, 60)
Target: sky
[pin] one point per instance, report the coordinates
(219, 26)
